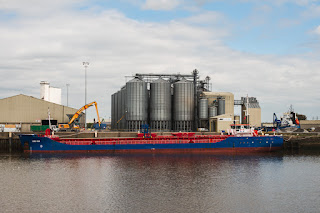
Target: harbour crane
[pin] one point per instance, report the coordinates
(76, 115)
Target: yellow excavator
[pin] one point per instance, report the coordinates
(68, 126)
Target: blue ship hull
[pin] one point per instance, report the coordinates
(34, 143)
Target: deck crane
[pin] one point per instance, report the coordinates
(276, 121)
(76, 115)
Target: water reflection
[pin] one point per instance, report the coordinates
(159, 183)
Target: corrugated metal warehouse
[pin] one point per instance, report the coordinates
(28, 110)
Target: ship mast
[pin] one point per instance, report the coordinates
(49, 118)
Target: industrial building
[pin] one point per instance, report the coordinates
(220, 114)
(175, 102)
(253, 115)
(27, 110)
(22, 111)
(308, 124)
(48, 93)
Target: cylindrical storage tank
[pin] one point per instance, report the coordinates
(123, 108)
(112, 111)
(137, 104)
(213, 111)
(221, 106)
(114, 104)
(117, 109)
(160, 105)
(203, 109)
(183, 105)
(120, 109)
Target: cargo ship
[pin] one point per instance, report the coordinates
(177, 142)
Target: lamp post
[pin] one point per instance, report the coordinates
(67, 94)
(85, 64)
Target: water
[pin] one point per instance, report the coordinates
(160, 183)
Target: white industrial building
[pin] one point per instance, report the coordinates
(48, 93)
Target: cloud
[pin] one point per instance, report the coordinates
(311, 11)
(205, 17)
(263, 8)
(317, 30)
(52, 48)
(160, 4)
(38, 7)
(282, 2)
(286, 23)
(304, 2)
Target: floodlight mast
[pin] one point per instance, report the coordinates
(85, 64)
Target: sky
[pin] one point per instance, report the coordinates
(269, 49)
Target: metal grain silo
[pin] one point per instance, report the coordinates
(160, 105)
(183, 105)
(137, 104)
(117, 109)
(123, 108)
(221, 106)
(203, 109)
(114, 118)
(112, 111)
(213, 111)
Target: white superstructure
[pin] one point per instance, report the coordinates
(48, 93)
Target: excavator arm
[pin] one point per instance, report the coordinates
(76, 115)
